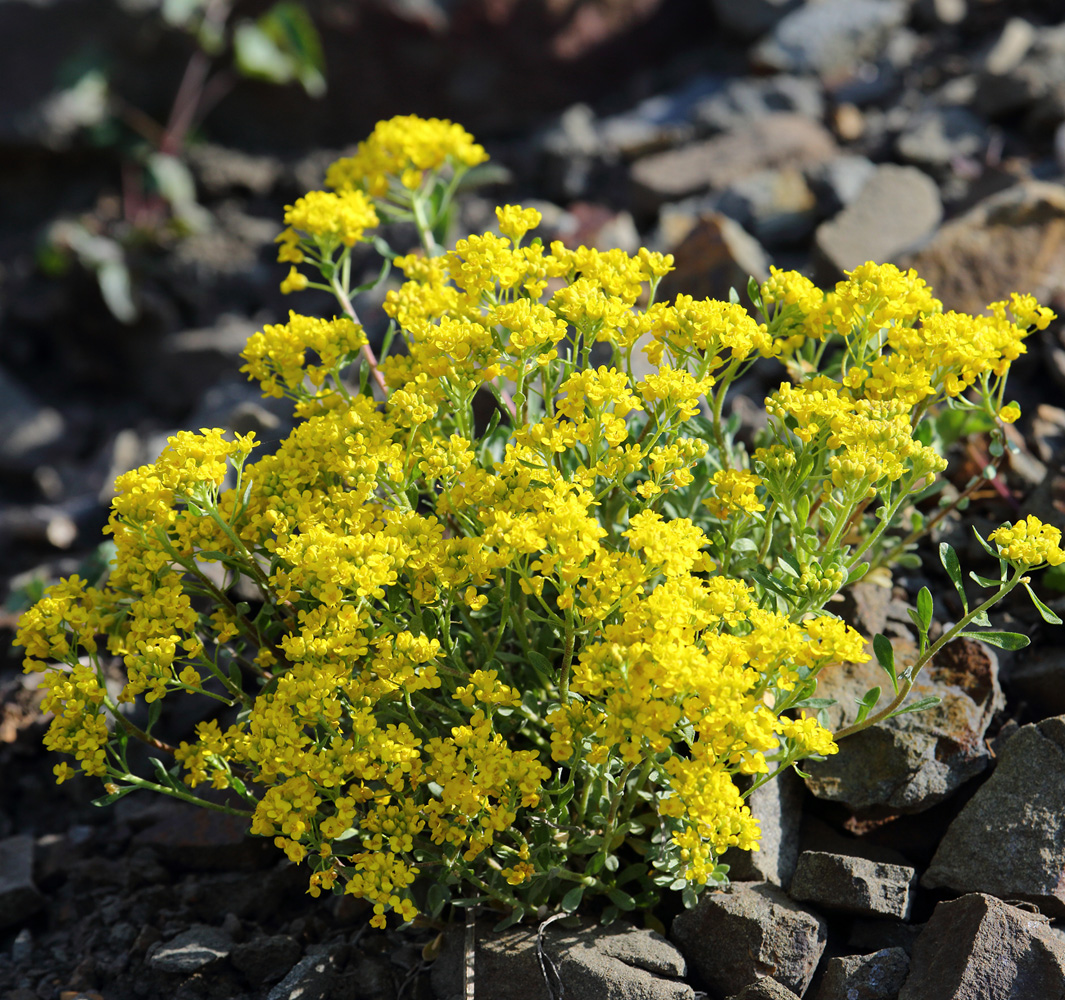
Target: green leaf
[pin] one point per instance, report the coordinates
(1004, 640)
(515, 916)
(949, 558)
(867, 704)
(985, 581)
(281, 46)
(754, 292)
(608, 916)
(985, 545)
(733, 295)
(859, 570)
(815, 703)
(921, 705)
(925, 608)
(572, 900)
(436, 898)
(885, 656)
(762, 576)
(106, 800)
(689, 897)
(622, 900)
(1045, 612)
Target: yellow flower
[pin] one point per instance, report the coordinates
(1010, 413)
(1029, 543)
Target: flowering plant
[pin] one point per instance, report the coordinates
(522, 658)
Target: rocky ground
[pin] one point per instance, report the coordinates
(926, 860)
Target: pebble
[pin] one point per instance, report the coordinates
(853, 885)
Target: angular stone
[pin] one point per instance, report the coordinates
(777, 206)
(19, 897)
(1009, 839)
(765, 989)
(939, 135)
(896, 211)
(864, 977)
(734, 937)
(1008, 241)
(192, 950)
(838, 182)
(830, 38)
(745, 98)
(314, 977)
(778, 808)
(776, 140)
(853, 885)
(266, 958)
(912, 761)
(592, 962)
(980, 948)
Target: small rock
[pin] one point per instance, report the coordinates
(19, 897)
(777, 206)
(1008, 241)
(732, 938)
(778, 808)
(1009, 839)
(191, 951)
(592, 962)
(839, 182)
(853, 885)
(912, 761)
(743, 99)
(865, 977)
(28, 428)
(980, 948)
(776, 140)
(657, 122)
(897, 209)
(714, 255)
(313, 978)
(266, 958)
(222, 171)
(830, 38)
(937, 136)
(1047, 432)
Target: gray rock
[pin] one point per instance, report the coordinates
(734, 937)
(832, 37)
(909, 763)
(840, 181)
(192, 950)
(765, 989)
(980, 948)
(613, 963)
(1009, 240)
(1009, 839)
(751, 19)
(221, 171)
(744, 99)
(1024, 66)
(776, 140)
(264, 959)
(865, 977)
(896, 211)
(19, 897)
(656, 122)
(1047, 433)
(853, 885)
(777, 206)
(778, 808)
(314, 977)
(937, 136)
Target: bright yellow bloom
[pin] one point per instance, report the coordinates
(1029, 543)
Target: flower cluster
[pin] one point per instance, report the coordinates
(521, 654)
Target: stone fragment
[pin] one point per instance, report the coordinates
(593, 962)
(912, 761)
(264, 959)
(838, 182)
(775, 140)
(935, 137)
(19, 897)
(1011, 240)
(743, 99)
(897, 209)
(192, 950)
(853, 885)
(778, 808)
(28, 428)
(830, 38)
(1023, 69)
(765, 989)
(657, 122)
(980, 948)
(734, 937)
(776, 206)
(864, 977)
(314, 977)
(1047, 432)
(1009, 839)
(714, 255)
